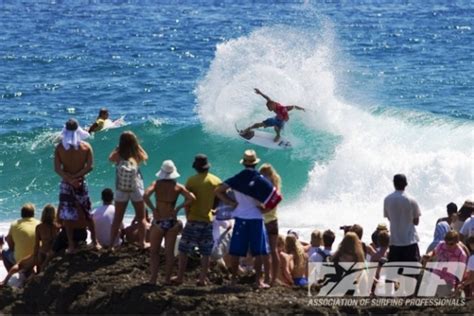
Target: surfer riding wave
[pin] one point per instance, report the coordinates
(278, 121)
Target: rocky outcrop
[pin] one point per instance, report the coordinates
(115, 282)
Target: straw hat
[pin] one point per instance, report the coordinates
(168, 171)
(250, 158)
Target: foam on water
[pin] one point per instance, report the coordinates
(294, 67)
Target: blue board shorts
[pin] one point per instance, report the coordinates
(274, 121)
(249, 234)
(197, 234)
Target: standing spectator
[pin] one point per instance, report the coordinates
(103, 217)
(403, 214)
(249, 228)
(271, 224)
(73, 160)
(129, 183)
(467, 229)
(198, 229)
(165, 223)
(21, 237)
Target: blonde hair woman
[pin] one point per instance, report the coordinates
(350, 250)
(299, 262)
(271, 224)
(129, 183)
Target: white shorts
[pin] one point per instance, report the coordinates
(134, 196)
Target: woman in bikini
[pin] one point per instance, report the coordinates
(298, 262)
(131, 153)
(46, 232)
(165, 223)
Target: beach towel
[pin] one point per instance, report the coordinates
(250, 182)
(72, 200)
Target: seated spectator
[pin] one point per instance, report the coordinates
(21, 237)
(449, 250)
(315, 242)
(79, 234)
(131, 232)
(381, 252)
(103, 217)
(441, 229)
(298, 262)
(349, 250)
(46, 233)
(468, 283)
(356, 228)
(25, 267)
(322, 255)
(374, 236)
(464, 213)
(452, 210)
(284, 271)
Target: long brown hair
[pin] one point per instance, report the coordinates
(49, 214)
(350, 245)
(268, 171)
(129, 147)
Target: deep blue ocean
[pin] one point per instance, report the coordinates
(388, 87)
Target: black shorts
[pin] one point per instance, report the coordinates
(409, 253)
(60, 243)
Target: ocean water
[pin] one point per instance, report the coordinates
(388, 88)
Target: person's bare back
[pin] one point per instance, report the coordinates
(72, 161)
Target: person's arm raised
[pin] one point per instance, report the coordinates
(291, 107)
(257, 91)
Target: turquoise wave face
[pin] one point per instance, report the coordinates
(26, 163)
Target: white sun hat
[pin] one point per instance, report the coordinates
(167, 171)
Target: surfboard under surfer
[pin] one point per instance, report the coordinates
(278, 121)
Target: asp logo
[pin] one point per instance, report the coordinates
(392, 279)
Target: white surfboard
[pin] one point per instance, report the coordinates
(109, 124)
(264, 139)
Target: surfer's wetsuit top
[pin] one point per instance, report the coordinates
(280, 118)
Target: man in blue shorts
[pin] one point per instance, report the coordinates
(249, 229)
(278, 122)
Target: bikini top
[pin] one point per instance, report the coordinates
(166, 191)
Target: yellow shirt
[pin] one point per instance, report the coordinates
(23, 234)
(202, 185)
(100, 124)
(270, 216)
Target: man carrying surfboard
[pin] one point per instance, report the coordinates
(278, 122)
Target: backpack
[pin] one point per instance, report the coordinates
(126, 176)
(323, 254)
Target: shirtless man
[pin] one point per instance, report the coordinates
(73, 159)
(278, 122)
